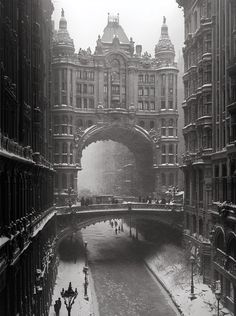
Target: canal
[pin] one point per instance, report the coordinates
(120, 283)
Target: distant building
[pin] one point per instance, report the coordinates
(115, 93)
(209, 161)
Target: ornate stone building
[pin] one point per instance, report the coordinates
(26, 171)
(209, 131)
(115, 93)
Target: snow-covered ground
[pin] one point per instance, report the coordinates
(170, 266)
(73, 271)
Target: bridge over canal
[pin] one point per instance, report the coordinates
(76, 217)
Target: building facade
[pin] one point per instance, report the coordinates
(115, 93)
(209, 161)
(26, 171)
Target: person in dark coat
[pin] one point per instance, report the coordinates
(56, 308)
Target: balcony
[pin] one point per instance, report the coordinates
(191, 127)
(225, 261)
(204, 121)
(10, 148)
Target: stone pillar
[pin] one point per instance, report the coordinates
(101, 86)
(131, 80)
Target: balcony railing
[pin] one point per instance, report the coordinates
(12, 147)
(225, 261)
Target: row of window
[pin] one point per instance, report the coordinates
(85, 74)
(146, 91)
(146, 106)
(202, 46)
(203, 107)
(167, 105)
(146, 78)
(85, 103)
(169, 153)
(200, 139)
(84, 88)
(192, 84)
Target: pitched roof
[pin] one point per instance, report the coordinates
(113, 29)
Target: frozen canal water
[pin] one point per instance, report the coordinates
(119, 282)
(123, 285)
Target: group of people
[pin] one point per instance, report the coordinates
(57, 306)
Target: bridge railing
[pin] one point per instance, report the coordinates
(123, 206)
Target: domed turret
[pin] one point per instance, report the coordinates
(63, 45)
(164, 50)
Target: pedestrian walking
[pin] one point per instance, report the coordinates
(59, 303)
(56, 308)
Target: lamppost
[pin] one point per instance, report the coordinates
(69, 297)
(218, 296)
(85, 270)
(192, 295)
(86, 255)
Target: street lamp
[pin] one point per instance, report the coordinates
(85, 270)
(192, 295)
(86, 255)
(86, 284)
(69, 297)
(218, 296)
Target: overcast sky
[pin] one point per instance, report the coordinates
(140, 20)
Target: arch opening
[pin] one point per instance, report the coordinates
(133, 150)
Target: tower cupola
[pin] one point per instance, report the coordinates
(164, 50)
(63, 45)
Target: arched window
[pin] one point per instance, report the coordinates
(142, 124)
(163, 179)
(152, 124)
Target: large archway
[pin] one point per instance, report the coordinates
(135, 138)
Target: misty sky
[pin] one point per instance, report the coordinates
(140, 20)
